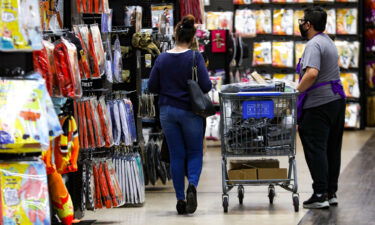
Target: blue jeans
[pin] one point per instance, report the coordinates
(184, 133)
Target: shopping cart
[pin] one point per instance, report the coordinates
(259, 124)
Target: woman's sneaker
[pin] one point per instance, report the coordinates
(317, 201)
(332, 199)
(181, 207)
(191, 199)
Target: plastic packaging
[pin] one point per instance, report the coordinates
(347, 20)
(105, 122)
(74, 68)
(56, 92)
(88, 41)
(63, 70)
(245, 22)
(42, 65)
(352, 115)
(263, 21)
(133, 17)
(117, 62)
(99, 136)
(24, 195)
(331, 21)
(282, 54)
(262, 53)
(219, 20)
(299, 48)
(20, 25)
(98, 46)
(282, 21)
(27, 118)
(162, 18)
(351, 85)
(345, 53)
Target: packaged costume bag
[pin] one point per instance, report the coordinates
(282, 54)
(216, 81)
(245, 22)
(43, 66)
(219, 41)
(162, 18)
(117, 62)
(74, 67)
(283, 21)
(345, 53)
(355, 46)
(27, 119)
(347, 21)
(263, 21)
(350, 83)
(24, 195)
(299, 48)
(352, 115)
(20, 25)
(49, 47)
(213, 127)
(133, 17)
(331, 21)
(98, 46)
(219, 20)
(262, 54)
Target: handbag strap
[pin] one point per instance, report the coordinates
(194, 69)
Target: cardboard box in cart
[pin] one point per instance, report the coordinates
(272, 173)
(243, 174)
(263, 169)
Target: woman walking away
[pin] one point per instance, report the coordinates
(183, 129)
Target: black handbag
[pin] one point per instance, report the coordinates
(201, 103)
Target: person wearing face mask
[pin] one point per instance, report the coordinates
(321, 108)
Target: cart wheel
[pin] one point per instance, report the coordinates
(271, 193)
(225, 203)
(241, 194)
(296, 202)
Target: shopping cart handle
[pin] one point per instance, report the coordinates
(259, 93)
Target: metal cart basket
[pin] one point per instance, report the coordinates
(259, 124)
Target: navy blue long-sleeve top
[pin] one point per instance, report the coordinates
(169, 78)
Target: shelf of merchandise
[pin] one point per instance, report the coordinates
(269, 69)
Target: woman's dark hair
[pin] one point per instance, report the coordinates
(317, 16)
(185, 29)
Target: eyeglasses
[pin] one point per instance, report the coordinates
(302, 21)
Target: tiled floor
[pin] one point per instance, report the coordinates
(160, 200)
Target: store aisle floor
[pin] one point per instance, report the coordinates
(160, 200)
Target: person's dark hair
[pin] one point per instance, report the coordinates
(317, 17)
(185, 29)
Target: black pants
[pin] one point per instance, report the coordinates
(321, 130)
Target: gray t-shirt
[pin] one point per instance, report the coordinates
(321, 53)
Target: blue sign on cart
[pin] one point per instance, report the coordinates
(258, 109)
